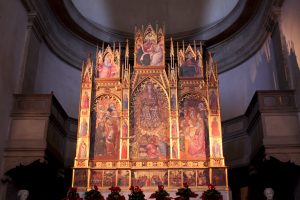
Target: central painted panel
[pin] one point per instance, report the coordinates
(150, 127)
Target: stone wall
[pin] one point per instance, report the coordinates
(269, 124)
(40, 130)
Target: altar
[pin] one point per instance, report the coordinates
(153, 123)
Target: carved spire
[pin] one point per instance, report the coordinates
(207, 71)
(172, 54)
(127, 50)
(82, 69)
(201, 48)
(212, 71)
(126, 76)
(210, 64)
(126, 55)
(200, 60)
(216, 70)
(172, 48)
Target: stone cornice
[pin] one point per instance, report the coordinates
(92, 32)
(65, 44)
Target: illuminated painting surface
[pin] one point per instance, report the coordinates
(108, 63)
(106, 128)
(190, 66)
(149, 49)
(150, 122)
(193, 129)
(149, 178)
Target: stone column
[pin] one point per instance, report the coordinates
(30, 54)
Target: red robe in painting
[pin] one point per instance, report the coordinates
(124, 151)
(215, 128)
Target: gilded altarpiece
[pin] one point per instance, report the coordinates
(152, 123)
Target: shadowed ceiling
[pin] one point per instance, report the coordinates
(177, 15)
(226, 27)
(114, 20)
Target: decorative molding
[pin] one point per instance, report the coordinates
(66, 45)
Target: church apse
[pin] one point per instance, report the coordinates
(150, 124)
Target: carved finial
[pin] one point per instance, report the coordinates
(123, 70)
(126, 55)
(89, 60)
(129, 71)
(82, 68)
(206, 72)
(172, 48)
(201, 47)
(97, 50)
(211, 60)
(127, 49)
